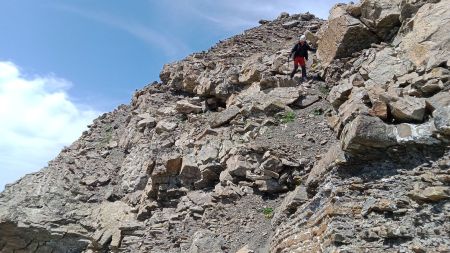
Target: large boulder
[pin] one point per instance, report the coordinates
(408, 109)
(343, 36)
(408, 8)
(252, 69)
(381, 16)
(428, 43)
(291, 24)
(267, 101)
(147, 122)
(339, 94)
(312, 38)
(365, 133)
(237, 166)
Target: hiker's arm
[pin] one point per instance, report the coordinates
(311, 49)
(293, 51)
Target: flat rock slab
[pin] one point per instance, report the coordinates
(225, 116)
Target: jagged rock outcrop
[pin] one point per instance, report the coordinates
(235, 63)
(227, 154)
(342, 36)
(373, 189)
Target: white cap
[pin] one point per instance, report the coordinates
(303, 38)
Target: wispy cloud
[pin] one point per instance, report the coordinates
(170, 45)
(238, 14)
(37, 119)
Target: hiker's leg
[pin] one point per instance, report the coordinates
(302, 63)
(295, 70)
(304, 71)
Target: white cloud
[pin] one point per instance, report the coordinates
(37, 119)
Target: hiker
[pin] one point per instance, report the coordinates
(300, 53)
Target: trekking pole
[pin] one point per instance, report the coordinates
(289, 58)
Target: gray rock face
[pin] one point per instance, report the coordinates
(367, 132)
(386, 66)
(382, 16)
(357, 222)
(206, 241)
(442, 120)
(228, 154)
(146, 122)
(428, 43)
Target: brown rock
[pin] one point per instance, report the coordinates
(270, 186)
(245, 249)
(339, 94)
(238, 166)
(440, 100)
(312, 38)
(165, 126)
(357, 80)
(408, 109)
(380, 110)
(272, 163)
(173, 164)
(190, 171)
(339, 37)
(225, 116)
(185, 106)
(435, 193)
(428, 42)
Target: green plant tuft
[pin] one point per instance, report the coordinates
(268, 212)
(288, 117)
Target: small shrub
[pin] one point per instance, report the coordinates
(268, 212)
(318, 111)
(324, 89)
(288, 117)
(297, 181)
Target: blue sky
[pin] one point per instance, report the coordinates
(64, 62)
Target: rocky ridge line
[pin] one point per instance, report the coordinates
(229, 155)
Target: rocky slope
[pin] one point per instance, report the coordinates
(228, 154)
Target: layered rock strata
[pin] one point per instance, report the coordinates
(228, 154)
